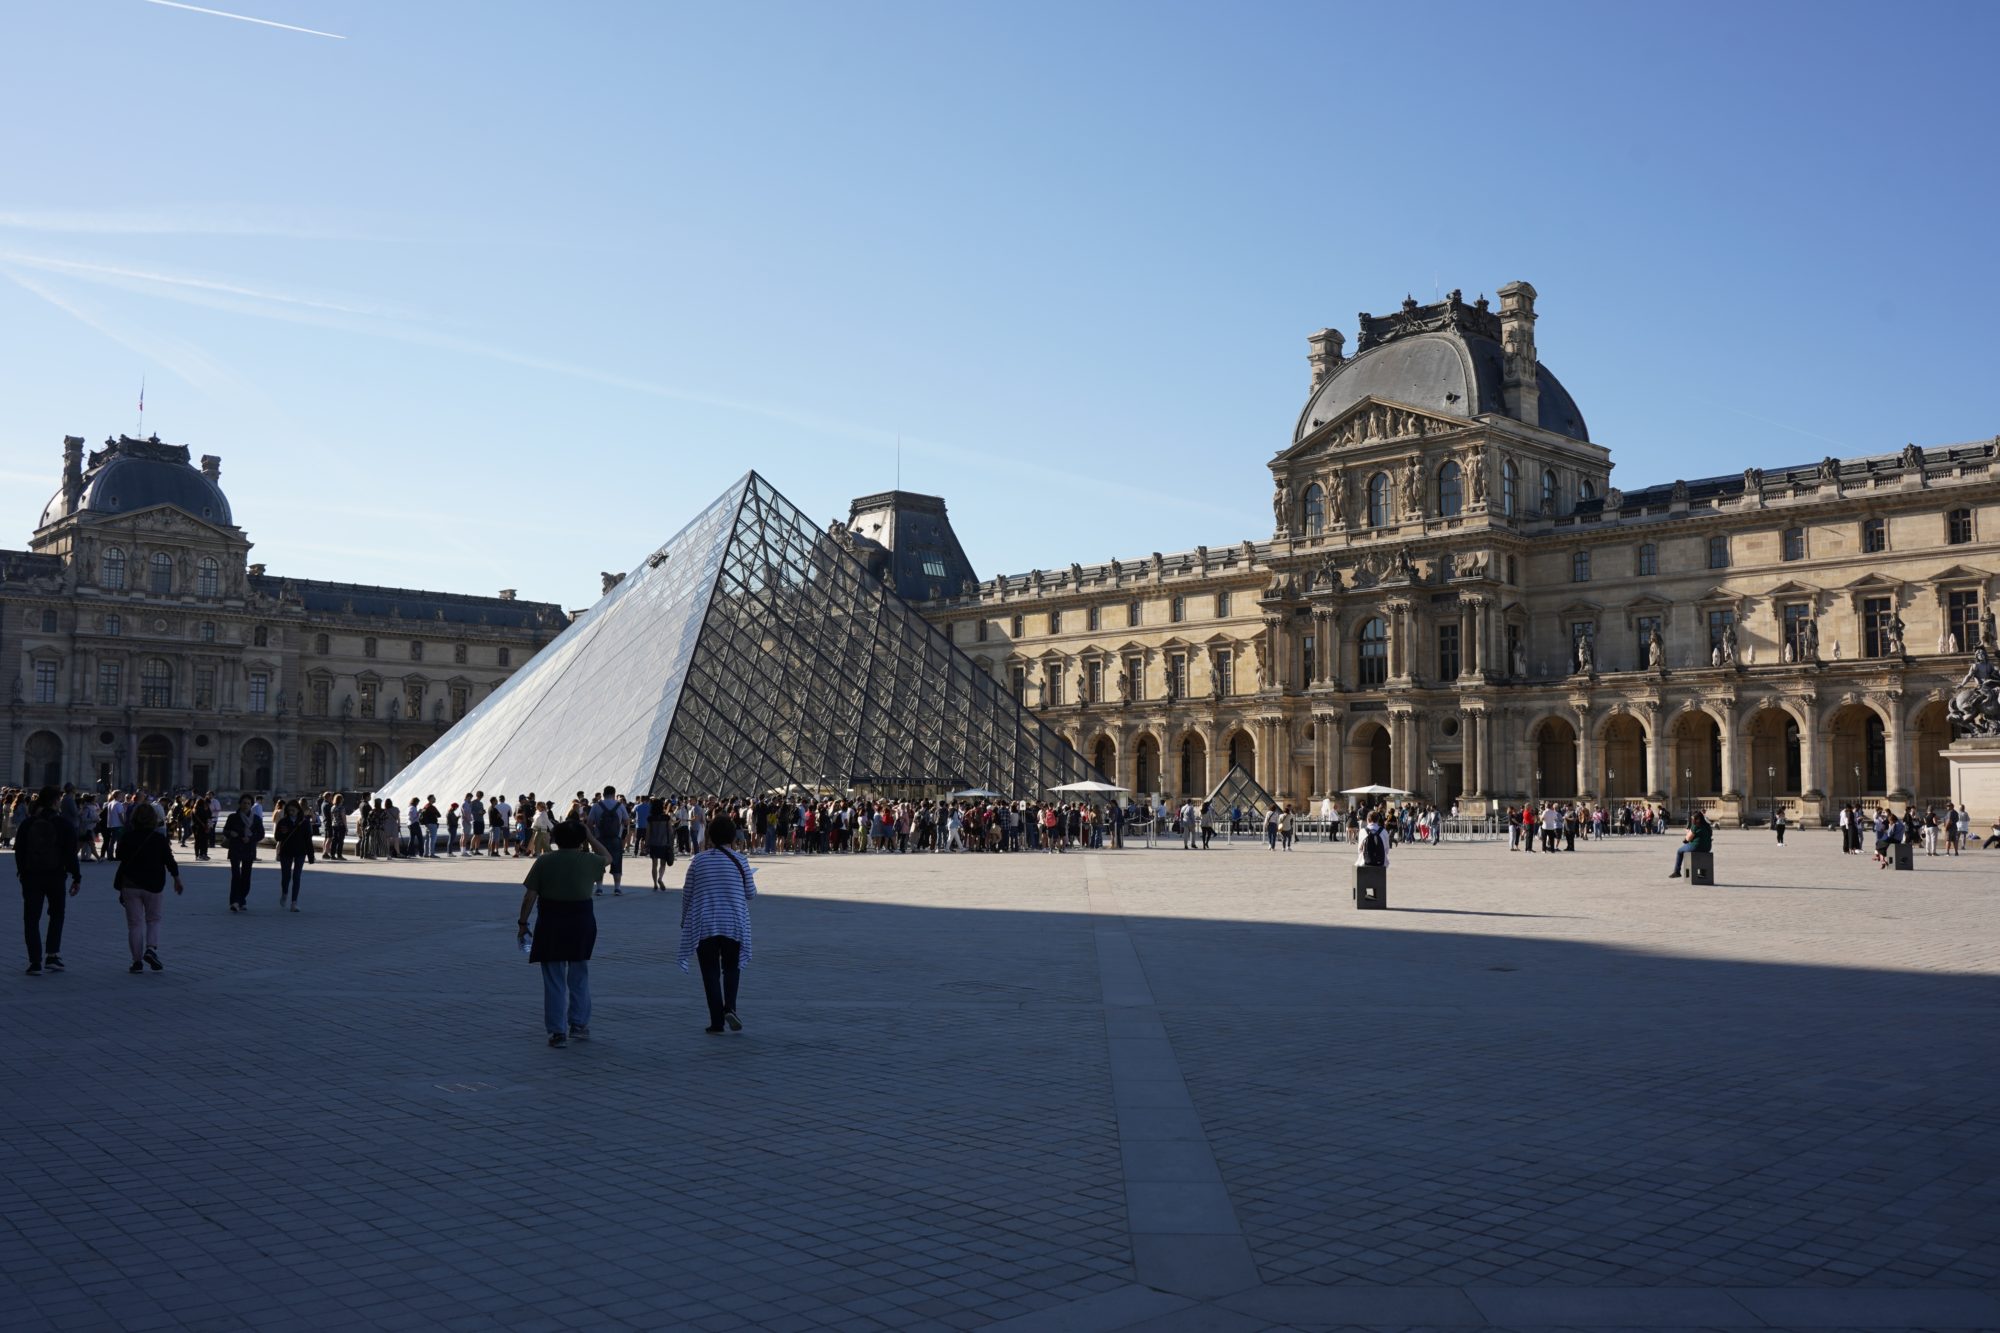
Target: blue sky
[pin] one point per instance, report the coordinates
(498, 294)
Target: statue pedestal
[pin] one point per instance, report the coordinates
(1975, 775)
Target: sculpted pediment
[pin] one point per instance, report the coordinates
(1375, 421)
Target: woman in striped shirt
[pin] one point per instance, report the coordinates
(715, 920)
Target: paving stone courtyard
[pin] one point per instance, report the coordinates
(1147, 1089)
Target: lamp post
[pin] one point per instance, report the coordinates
(1857, 786)
(1687, 790)
(1771, 787)
(1536, 795)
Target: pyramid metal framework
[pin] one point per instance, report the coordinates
(1238, 790)
(751, 653)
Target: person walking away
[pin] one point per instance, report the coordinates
(429, 819)
(44, 855)
(715, 922)
(1285, 827)
(1372, 847)
(145, 860)
(1271, 828)
(608, 821)
(1778, 825)
(241, 833)
(558, 889)
(1700, 838)
(293, 836)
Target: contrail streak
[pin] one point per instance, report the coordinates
(245, 18)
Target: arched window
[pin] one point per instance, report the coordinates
(1374, 652)
(1451, 490)
(1510, 485)
(1378, 500)
(113, 576)
(1315, 510)
(156, 684)
(1551, 491)
(160, 572)
(208, 578)
(1586, 490)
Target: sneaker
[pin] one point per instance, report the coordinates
(137, 966)
(600, 893)
(34, 969)
(295, 907)
(729, 1017)
(153, 961)
(714, 1031)
(53, 963)
(558, 1039)
(579, 1032)
(618, 893)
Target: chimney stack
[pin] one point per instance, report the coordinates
(1325, 353)
(72, 472)
(211, 467)
(1521, 387)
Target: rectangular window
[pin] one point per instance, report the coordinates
(1090, 619)
(1874, 536)
(204, 687)
(1649, 560)
(1447, 652)
(1718, 552)
(1958, 527)
(1308, 659)
(1517, 660)
(1135, 677)
(45, 682)
(1222, 603)
(1177, 676)
(980, 633)
(1225, 673)
(1132, 617)
(1793, 546)
(1055, 622)
(1719, 623)
(109, 679)
(1579, 567)
(1878, 627)
(366, 703)
(1053, 675)
(1018, 678)
(1961, 615)
(48, 622)
(461, 697)
(413, 701)
(260, 685)
(1019, 625)
(1094, 681)
(1646, 627)
(416, 650)
(1177, 610)
(933, 564)
(506, 657)
(322, 697)
(1797, 616)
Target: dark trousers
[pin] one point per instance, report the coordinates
(239, 879)
(717, 955)
(35, 896)
(204, 838)
(290, 870)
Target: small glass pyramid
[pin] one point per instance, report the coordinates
(752, 653)
(1239, 791)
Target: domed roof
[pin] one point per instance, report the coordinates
(128, 475)
(1442, 359)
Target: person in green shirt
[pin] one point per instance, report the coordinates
(559, 888)
(1700, 838)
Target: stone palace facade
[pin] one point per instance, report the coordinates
(144, 648)
(1456, 600)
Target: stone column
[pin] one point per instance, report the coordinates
(1896, 746)
(1809, 757)
(1656, 755)
(1585, 768)
(1471, 752)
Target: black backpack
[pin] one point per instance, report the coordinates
(38, 850)
(1371, 848)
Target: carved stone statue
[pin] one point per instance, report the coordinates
(1413, 487)
(1075, 575)
(1988, 638)
(1585, 655)
(1680, 493)
(15, 695)
(1257, 653)
(1519, 662)
(1913, 457)
(1715, 655)
(1811, 633)
(1281, 507)
(1974, 709)
(1753, 480)
(1836, 650)
(610, 580)
(1405, 567)
(1124, 685)
(1896, 629)
(1788, 652)
(1829, 468)
(1336, 499)
(1728, 645)
(1475, 475)
(1656, 651)
(437, 710)
(347, 705)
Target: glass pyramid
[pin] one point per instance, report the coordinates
(1239, 791)
(751, 653)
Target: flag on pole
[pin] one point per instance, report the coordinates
(142, 395)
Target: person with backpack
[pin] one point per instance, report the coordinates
(145, 859)
(44, 854)
(241, 833)
(607, 819)
(1372, 849)
(294, 838)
